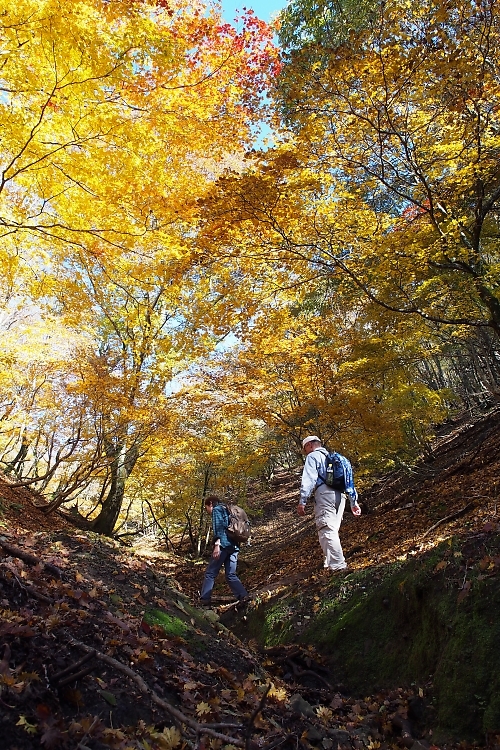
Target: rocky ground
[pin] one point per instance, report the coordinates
(103, 645)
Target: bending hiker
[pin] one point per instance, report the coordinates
(225, 553)
(329, 503)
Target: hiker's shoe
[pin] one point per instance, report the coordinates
(205, 603)
(245, 599)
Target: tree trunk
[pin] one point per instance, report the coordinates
(207, 475)
(16, 464)
(121, 468)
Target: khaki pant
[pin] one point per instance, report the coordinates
(328, 519)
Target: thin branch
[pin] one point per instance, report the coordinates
(72, 667)
(448, 518)
(257, 711)
(27, 558)
(177, 715)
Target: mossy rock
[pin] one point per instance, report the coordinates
(270, 624)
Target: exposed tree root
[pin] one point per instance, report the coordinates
(27, 558)
(457, 514)
(181, 719)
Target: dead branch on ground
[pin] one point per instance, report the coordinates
(452, 516)
(27, 558)
(178, 716)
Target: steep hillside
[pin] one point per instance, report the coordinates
(454, 490)
(103, 646)
(421, 601)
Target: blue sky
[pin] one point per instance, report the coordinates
(264, 9)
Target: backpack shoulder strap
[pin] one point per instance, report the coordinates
(325, 453)
(228, 512)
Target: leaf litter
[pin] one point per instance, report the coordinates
(86, 660)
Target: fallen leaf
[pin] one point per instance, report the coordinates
(169, 738)
(24, 723)
(202, 709)
(114, 734)
(336, 702)
(277, 694)
(116, 621)
(52, 737)
(489, 527)
(108, 697)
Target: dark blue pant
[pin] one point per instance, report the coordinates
(229, 559)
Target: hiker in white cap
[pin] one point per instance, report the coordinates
(329, 503)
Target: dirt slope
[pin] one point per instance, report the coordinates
(453, 491)
(101, 645)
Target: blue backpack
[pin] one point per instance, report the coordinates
(335, 471)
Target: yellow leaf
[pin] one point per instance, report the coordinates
(277, 694)
(202, 709)
(24, 723)
(168, 739)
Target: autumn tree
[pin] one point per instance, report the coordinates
(350, 376)
(388, 180)
(384, 192)
(116, 118)
(314, 27)
(405, 115)
(211, 449)
(103, 102)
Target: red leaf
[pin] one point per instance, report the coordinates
(489, 526)
(51, 737)
(43, 712)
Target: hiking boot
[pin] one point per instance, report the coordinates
(205, 603)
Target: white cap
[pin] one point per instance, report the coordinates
(310, 439)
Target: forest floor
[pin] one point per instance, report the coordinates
(102, 645)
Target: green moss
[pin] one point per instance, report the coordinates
(271, 623)
(410, 622)
(377, 635)
(491, 718)
(170, 624)
(467, 674)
